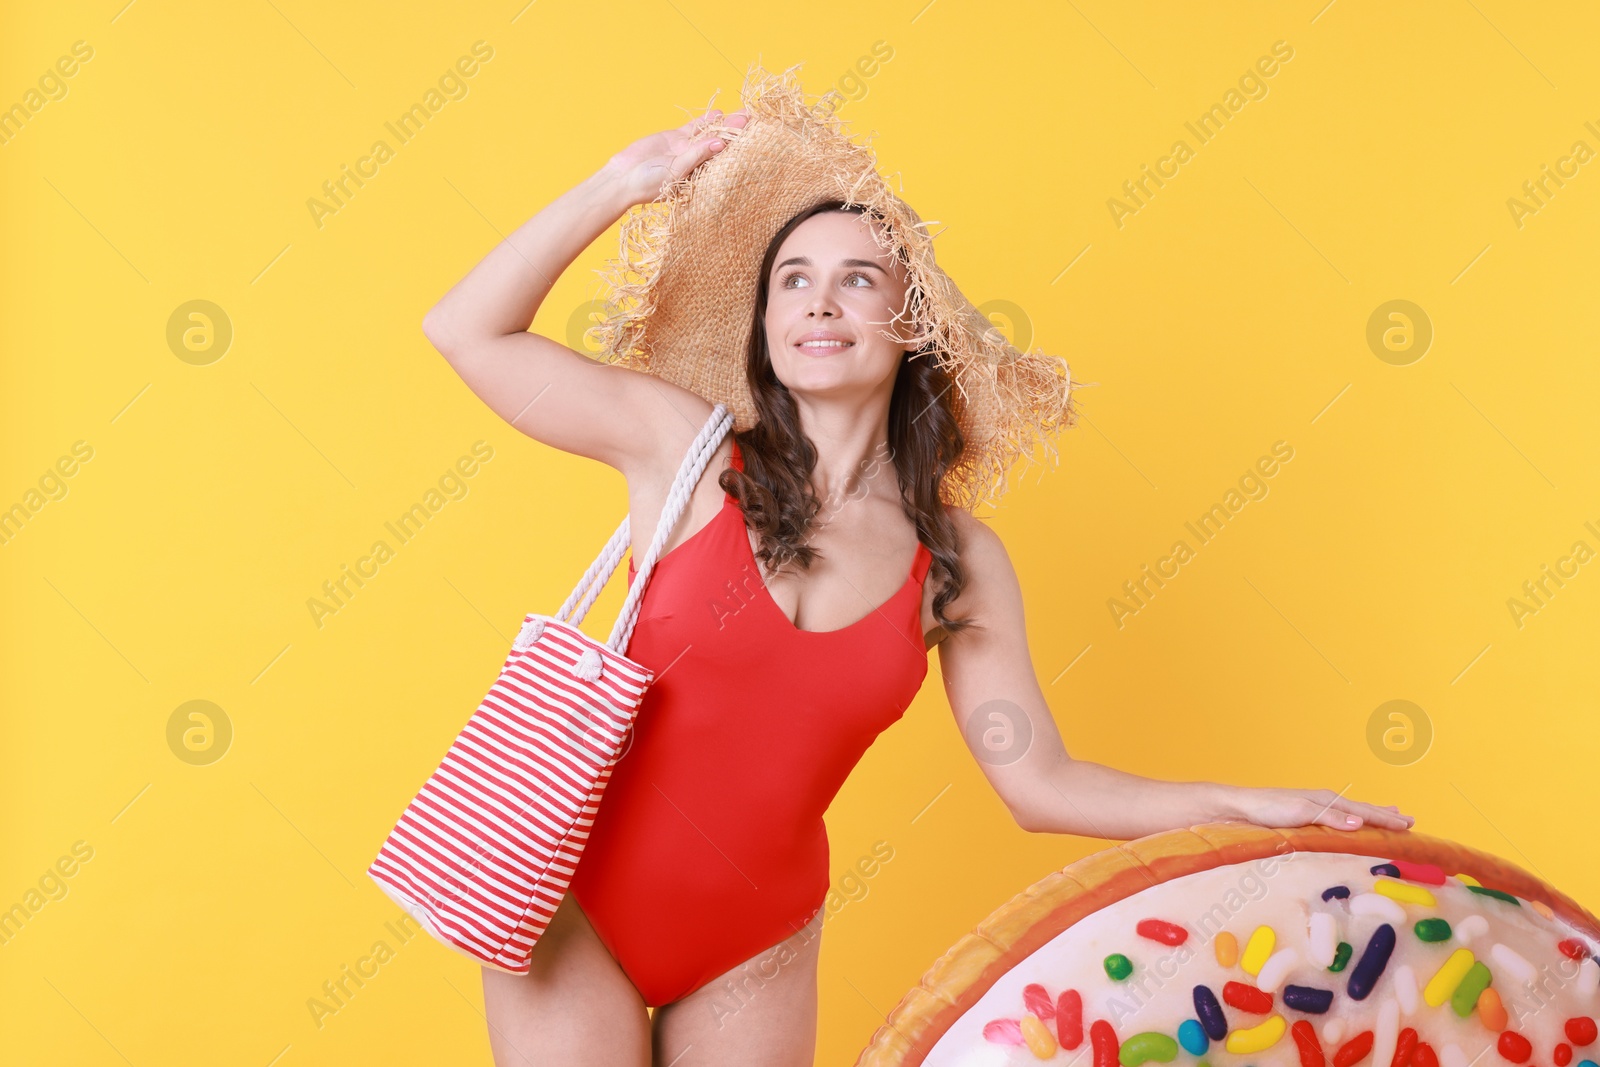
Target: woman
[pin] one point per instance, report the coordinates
(789, 618)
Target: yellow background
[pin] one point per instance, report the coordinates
(1230, 312)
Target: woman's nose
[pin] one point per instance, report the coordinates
(822, 303)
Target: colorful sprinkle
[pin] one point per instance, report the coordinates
(1192, 1036)
(1472, 926)
(1307, 999)
(1405, 988)
(1386, 1033)
(1003, 1031)
(1573, 949)
(1104, 1041)
(1386, 868)
(1508, 959)
(1588, 982)
(1383, 907)
(1447, 977)
(1257, 949)
(1427, 873)
(1562, 1055)
(1276, 969)
(1424, 1056)
(1352, 1051)
(1226, 947)
(1323, 931)
(1341, 956)
(1036, 999)
(1365, 974)
(1497, 894)
(1305, 1039)
(1069, 1019)
(1581, 1030)
(1405, 1047)
(1118, 966)
(1542, 908)
(1209, 1013)
(1405, 894)
(1432, 930)
(1256, 1038)
(1041, 1042)
(1150, 1045)
(1342, 892)
(1491, 1011)
(1247, 998)
(1465, 997)
(1514, 1047)
(1164, 932)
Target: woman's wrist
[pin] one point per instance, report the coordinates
(1220, 802)
(609, 187)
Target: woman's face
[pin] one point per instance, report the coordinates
(831, 282)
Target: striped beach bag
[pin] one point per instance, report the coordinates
(484, 852)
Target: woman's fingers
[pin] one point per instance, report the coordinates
(712, 117)
(1343, 810)
(698, 122)
(1340, 817)
(694, 154)
(1388, 815)
(691, 139)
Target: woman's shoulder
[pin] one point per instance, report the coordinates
(978, 544)
(989, 587)
(983, 558)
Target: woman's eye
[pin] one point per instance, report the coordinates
(797, 277)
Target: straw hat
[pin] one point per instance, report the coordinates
(683, 288)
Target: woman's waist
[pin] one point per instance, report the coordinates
(663, 831)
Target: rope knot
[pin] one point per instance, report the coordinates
(531, 631)
(587, 666)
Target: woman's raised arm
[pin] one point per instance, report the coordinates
(550, 392)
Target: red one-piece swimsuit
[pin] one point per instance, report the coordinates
(709, 846)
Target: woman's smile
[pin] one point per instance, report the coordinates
(823, 342)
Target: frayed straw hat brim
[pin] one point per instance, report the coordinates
(682, 290)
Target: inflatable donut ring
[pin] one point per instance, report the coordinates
(1233, 945)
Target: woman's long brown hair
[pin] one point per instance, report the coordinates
(774, 489)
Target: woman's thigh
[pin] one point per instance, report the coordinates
(574, 1006)
(762, 1011)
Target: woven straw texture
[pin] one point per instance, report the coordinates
(682, 291)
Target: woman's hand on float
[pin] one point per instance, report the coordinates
(1311, 807)
(643, 169)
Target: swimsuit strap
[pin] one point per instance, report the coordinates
(737, 463)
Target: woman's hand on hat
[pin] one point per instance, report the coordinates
(643, 169)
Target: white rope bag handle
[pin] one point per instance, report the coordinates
(600, 571)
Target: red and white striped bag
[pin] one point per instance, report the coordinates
(484, 852)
